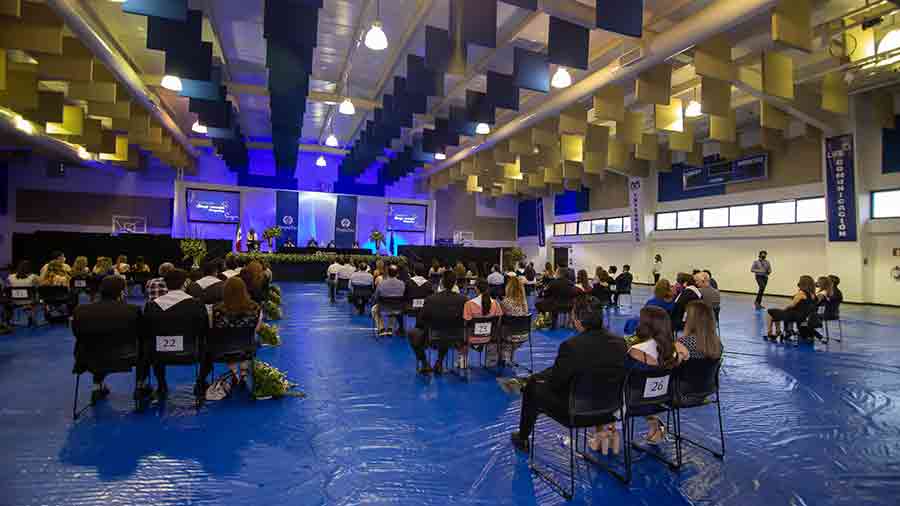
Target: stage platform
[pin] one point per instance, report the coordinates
(804, 426)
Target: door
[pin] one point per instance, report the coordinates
(561, 257)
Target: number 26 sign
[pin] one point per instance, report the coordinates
(656, 387)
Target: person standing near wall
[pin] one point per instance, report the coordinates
(762, 269)
(657, 268)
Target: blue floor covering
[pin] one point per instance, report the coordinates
(804, 426)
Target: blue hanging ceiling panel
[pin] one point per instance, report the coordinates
(447, 136)
(170, 9)
(531, 5)
(459, 121)
(531, 70)
(501, 91)
(420, 79)
(625, 17)
(474, 21)
(437, 49)
(569, 44)
(431, 142)
(163, 33)
(478, 108)
(190, 62)
(294, 24)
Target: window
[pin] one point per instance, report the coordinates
(626, 222)
(714, 218)
(614, 225)
(886, 204)
(572, 228)
(598, 227)
(775, 213)
(743, 215)
(688, 219)
(584, 227)
(811, 210)
(666, 221)
(559, 229)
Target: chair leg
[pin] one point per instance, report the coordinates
(75, 402)
(721, 424)
(572, 443)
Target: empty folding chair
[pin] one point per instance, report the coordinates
(697, 385)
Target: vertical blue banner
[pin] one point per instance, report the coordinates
(840, 189)
(345, 221)
(287, 207)
(541, 231)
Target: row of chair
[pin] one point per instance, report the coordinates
(28, 298)
(601, 398)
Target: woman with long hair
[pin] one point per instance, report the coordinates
(513, 304)
(55, 275)
(663, 296)
(481, 306)
(121, 266)
(802, 302)
(699, 339)
(103, 267)
(252, 275)
(80, 267)
(236, 310)
(140, 265)
(583, 284)
(656, 350)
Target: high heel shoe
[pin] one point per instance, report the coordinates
(600, 442)
(614, 442)
(657, 434)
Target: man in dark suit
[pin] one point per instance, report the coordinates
(94, 324)
(593, 349)
(688, 294)
(418, 286)
(559, 292)
(442, 310)
(210, 288)
(174, 314)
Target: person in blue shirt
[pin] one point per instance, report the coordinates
(663, 296)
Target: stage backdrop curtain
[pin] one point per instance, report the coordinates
(345, 221)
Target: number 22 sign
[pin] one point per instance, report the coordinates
(169, 343)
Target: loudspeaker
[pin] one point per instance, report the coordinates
(55, 169)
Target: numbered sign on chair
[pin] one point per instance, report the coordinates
(656, 387)
(19, 293)
(169, 343)
(80, 283)
(483, 329)
(418, 303)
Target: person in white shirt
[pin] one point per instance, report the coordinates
(57, 256)
(334, 268)
(346, 271)
(360, 279)
(496, 277)
(657, 268)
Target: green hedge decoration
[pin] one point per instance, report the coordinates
(327, 258)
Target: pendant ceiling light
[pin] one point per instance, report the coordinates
(320, 161)
(889, 42)
(482, 129)
(561, 79)
(171, 82)
(331, 141)
(198, 128)
(347, 107)
(440, 156)
(376, 40)
(83, 153)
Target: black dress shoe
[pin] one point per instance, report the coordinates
(99, 394)
(200, 389)
(519, 442)
(142, 393)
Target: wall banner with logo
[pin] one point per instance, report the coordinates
(636, 204)
(345, 221)
(287, 208)
(840, 191)
(541, 231)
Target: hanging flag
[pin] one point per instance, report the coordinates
(636, 203)
(840, 189)
(541, 232)
(237, 239)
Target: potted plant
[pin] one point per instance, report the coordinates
(270, 234)
(378, 238)
(512, 256)
(195, 249)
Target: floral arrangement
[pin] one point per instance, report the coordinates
(272, 310)
(271, 233)
(512, 256)
(377, 237)
(269, 381)
(268, 335)
(275, 295)
(318, 257)
(195, 249)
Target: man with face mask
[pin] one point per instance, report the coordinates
(593, 349)
(762, 269)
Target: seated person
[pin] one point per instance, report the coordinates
(709, 295)
(390, 286)
(593, 349)
(443, 310)
(699, 340)
(175, 313)
(103, 267)
(156, 287)
(55, 275)
(602, 289)
(802, 304)
(418, 287)
(712, 281)
(58, 256)
(347, 270)
(514, 304)
(559, 293)
(122, 267)
(80, 267)
(837, 297)
(656, 349)
(583, 284)
(481, 306)
(112, 317)
(311, 243)
(360, 279)
(253, 275)
(331, 244)
(288, 243)
(663, 296)
(689, 293)
(496, 278)
(235, 310)
(209, 289)
(623, 283)
(232, 266)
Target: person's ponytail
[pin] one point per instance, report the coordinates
(485, 291)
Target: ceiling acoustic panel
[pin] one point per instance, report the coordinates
(479, 108)
(531, 70)
(474, 22)
(163, 33)
(625, 17)
(569, 44)
(531, 5)
(170, 9)
(501, 91)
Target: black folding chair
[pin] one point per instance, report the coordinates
(230, 345)
(360, 297)
(648, 393)
(481, 332)
(170, 345)
(454, 336)
(54, 297)
(414, 308)
(392, 307)
(563, 308)
(515, 330)
(594, 399)
(498, 291)
(22, 298)
(831, 312)
(102, 354)
(697, 385)
(343, 285)
(435, 281)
